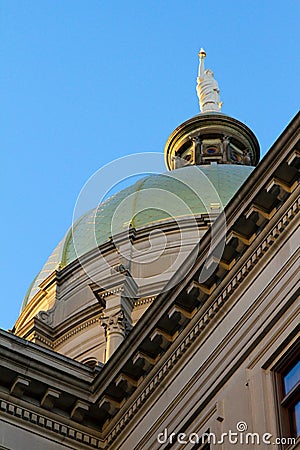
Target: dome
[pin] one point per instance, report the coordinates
(187, 191)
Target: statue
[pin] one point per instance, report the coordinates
(207, 87)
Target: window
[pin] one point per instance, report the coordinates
(290, 401)
(211, 150)
(286, 373)
(287, 383)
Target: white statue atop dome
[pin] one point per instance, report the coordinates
(207, 87)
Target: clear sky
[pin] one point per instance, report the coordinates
(85, 82)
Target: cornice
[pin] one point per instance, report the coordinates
(203, 221)
(110, 292)
(66, 336)
(39, 329)
(144, 301)
(42, 422)
(33, 359)
(206, 316)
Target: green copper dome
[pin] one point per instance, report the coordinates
(188, 191)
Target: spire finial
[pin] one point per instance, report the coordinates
(207, 87)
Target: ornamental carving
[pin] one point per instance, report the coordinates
(115, 322)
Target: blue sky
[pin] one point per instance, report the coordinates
(85, 82)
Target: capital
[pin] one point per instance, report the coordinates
(114, 323)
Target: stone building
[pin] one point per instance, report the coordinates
(130, 338)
